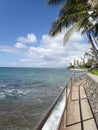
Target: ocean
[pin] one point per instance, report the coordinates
(27, 93)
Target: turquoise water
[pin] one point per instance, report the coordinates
(26, 94)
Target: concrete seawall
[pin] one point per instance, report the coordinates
(92, 93)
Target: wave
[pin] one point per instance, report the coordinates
(3, 85)
(16, 92)
(2, 95)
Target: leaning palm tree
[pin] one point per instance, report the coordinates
(90, 5)
(94, 8)
(74, 14)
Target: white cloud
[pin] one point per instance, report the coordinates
(50, 52)
(30, 38)
(8, 64)
(20, 45)
(76, 36)
(56, 39)
(12, 50)
(8, 49)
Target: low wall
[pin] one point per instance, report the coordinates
(92, 93)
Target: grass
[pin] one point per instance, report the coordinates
(94, 72)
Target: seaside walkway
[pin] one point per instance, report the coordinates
(78, 114)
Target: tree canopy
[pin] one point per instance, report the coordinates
(77, 15)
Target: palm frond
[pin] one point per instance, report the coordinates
(75, 10)
(59, 24)
(69, 32)
(56, 27)
(80, 24)
(68, 17)
(76, 1)
(54, 2)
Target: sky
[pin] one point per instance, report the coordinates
(25, 40)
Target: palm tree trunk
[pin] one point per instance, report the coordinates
(95, 51)
(94, 39)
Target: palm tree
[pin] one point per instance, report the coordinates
(75, 14)
(94, 8)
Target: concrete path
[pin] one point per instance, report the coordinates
(78, 114)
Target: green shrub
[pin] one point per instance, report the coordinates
(94, 72)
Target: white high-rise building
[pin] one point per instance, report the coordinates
(79, 61)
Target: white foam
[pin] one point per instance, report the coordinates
(9, 91)
(24, 92)
(20, 91)
(2, 95)
(40, 101)
(3, 85)
(54, 120)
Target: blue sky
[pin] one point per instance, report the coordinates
(19, 17)
(24, 39)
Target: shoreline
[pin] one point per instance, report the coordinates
(79, 69)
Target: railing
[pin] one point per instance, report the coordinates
(61, 103)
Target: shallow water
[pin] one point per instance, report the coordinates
(26, 94)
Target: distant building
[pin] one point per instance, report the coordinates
(78, 61)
